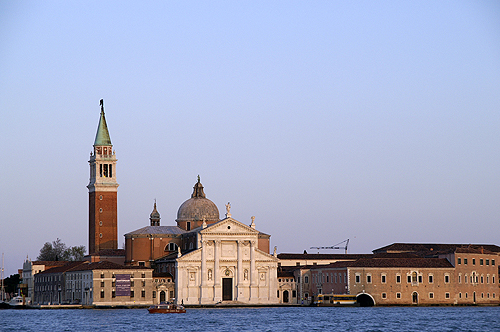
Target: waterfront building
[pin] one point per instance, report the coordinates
(49, 286)
(108, 284)
(30, 268)
(287, 288)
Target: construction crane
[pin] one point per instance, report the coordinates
(335, 246)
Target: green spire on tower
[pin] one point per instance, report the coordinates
(102, 136)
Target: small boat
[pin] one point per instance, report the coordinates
(166, 308)
(17, 302)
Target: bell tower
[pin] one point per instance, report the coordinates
(103, 231)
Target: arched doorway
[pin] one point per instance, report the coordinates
(365, 300)
(162, 296)
(285, 296)
(414, 298)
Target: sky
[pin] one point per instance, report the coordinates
(373, 121)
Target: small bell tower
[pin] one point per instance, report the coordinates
(103, 188)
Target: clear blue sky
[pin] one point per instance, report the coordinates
(376, 121)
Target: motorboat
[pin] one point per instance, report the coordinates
(166, 308)
(17, 302)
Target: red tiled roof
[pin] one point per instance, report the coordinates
(433, 247)
(403, 262)
(63, 268)
(323, 256)
(109, 252)
(106, 265)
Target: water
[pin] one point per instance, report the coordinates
(258, 319)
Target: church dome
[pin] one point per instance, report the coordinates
(198, 207)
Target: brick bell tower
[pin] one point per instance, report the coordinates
(103, 232)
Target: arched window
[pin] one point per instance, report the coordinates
(171, 247)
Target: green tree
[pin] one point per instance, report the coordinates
(57, 251)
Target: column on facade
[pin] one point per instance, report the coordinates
(203, 275)
(253, 274)
(203, 263)
(216, 274)
(239, 270)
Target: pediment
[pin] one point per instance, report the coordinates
(229, 226)
(190, 256)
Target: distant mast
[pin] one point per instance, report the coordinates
(1, 279)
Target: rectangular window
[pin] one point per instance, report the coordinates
(143, 275)
(131, 293)
(358, 278)
(102, 283)
(431, 295)
(480, 261)
(383, 278)
(408, 279)
(102, 293)
(459, 261)
(294, 293)
(487, 262)
(172, 294)
(446, 279)
(102, 275)
(465, 261)
(369, 279)
(431, 278)
(492, 262)
(398, 295)
(447, 295)
(131, 283)
(398, 279)
(154, 294)
(113, 294)
(420, 279)
(473, 261)
(110, 170)
(105, 172)
(143, 293)
(384, 295)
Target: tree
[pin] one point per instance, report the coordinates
(57, 251)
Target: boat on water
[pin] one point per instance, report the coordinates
(336, 300)
(166, 308)
(17, 302)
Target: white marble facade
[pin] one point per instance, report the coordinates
(227, 266)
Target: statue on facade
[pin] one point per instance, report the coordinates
(228, 209)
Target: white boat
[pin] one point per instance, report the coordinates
(17, 302)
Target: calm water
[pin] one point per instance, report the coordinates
(257, 319)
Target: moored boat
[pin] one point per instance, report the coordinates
(17, 302)
(336, 300)
(166, 308)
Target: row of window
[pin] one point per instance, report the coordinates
(446, 295)
(113, 283)
(143, 275)
(132, 294)
(328, 278)
(412, 278)
(481, 261)
(474, 278)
